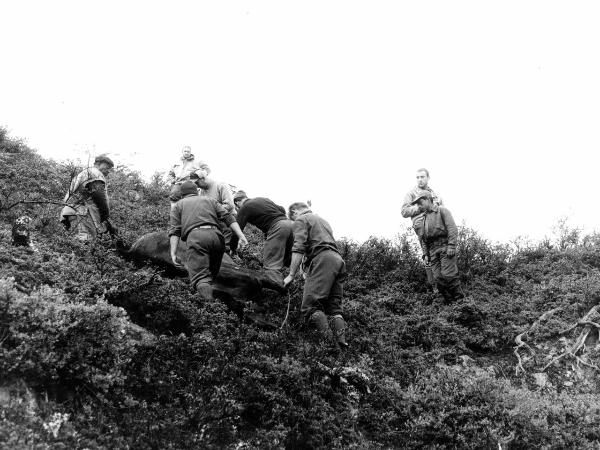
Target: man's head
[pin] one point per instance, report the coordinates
(104, 164)
(239, 198)
(186, 151)
(200, 177)
(422, 178)
(188, 188)
(296, 209)
(424, 201)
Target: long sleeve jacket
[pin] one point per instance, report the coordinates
(260, 212)
(87, 188)
(194, 211)
(221, 192)
(412, 211)
(312, 235)
(438, 230)
(182, 170)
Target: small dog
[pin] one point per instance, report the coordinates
(21, 232)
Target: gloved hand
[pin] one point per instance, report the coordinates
(451, 252)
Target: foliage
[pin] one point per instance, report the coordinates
(419, 373)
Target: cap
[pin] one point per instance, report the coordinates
(420, 195)
(239, 195)
(188, 188)
(104, 159)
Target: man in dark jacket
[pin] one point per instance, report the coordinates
(270, 218)
(323, 290)
(437, 234)
(194, 220)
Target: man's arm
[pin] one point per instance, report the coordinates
(174, 240)
(298, 250)
(238, 232)
(226, 197)
(409, 210)
(451, 228)
(97, 190)
(242, 220)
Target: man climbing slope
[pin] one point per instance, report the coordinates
(270, 218)
(194, 220)
(323, 289)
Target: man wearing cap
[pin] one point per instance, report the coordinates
(87, 199)
(270, 218)
(323, 289)
(438, 235)
(412, 211)
(182, 171)
(194, 220)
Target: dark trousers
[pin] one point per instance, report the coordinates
(277, 251)
(445, 274)
(205, 248)
(323, 288)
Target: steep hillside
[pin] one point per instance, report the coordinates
(100, 353)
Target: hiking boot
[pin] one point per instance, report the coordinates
(205, 291)
(338, 325)
(318, 319)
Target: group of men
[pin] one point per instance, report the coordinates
(210, 219)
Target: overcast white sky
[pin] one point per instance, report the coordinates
(334, 101)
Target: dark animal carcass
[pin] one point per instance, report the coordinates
(232, 279)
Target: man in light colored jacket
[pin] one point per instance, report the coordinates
(182, 170)
(88, 209)
(409, 209)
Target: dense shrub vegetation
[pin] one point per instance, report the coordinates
(98, 353)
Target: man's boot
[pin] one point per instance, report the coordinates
(456, 290)
(338, 325)
(430, 285)
(318, 319)
(445, 292)
(204, 291)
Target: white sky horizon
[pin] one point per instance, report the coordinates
(337, 102)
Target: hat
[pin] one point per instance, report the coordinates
(189, 188)
(104, 159)
(239, 195)
(420, 195)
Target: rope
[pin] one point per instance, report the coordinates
(287, 313)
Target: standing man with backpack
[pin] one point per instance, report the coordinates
(409, 209)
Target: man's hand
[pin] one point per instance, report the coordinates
(287, 281)
(451, 252)
(427, 259)
(176, 260)
(242, 242)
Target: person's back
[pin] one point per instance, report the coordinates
(312, 235)
(260, 212)
(194, 211)
(271, 219)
